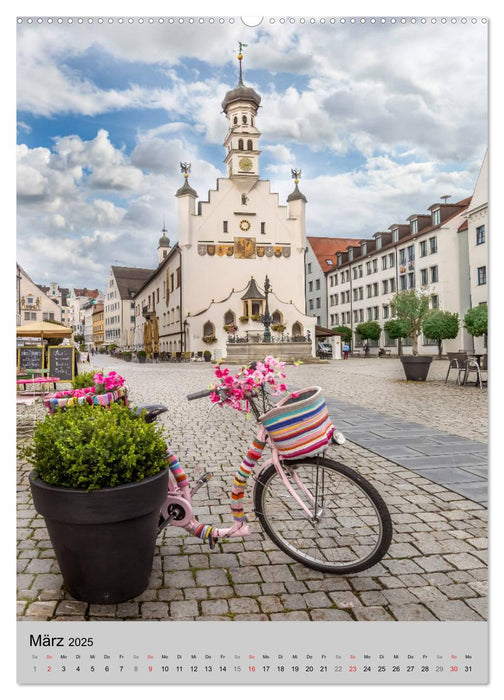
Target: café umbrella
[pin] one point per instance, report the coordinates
(43, 329)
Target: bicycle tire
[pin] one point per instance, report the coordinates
(344, 543)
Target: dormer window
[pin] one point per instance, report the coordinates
(395, 235)
(414, 226)
(350, 254)
(436, 217)
(364, 248)
(378, 243)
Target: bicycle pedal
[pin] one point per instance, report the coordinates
(201, 481)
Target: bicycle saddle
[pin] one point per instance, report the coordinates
(152, 411)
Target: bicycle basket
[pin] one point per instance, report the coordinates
(299, 425)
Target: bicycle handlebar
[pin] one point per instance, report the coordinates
(200, 394)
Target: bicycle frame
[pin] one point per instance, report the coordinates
(178, 507)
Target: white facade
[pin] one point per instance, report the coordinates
(420, 255)
(32, 304)
(119, 305)
(241, 233)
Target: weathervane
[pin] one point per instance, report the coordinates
(185, 168)
(240, 58)
(296, 174)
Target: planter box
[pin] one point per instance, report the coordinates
(104, 540)
(416, 367)
(120, 394)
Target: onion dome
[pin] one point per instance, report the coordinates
(241, 93)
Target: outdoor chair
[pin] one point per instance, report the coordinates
(186, 355)
(478, 368)
(458, 362)
(199, 356)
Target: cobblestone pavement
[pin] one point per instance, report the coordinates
(435, 568)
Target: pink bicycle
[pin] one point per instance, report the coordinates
(318, 511)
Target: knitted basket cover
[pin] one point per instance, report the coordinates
(299, 425)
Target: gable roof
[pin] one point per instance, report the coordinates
(325, 249)
(130, 279)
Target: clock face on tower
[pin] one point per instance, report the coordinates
(245, 164)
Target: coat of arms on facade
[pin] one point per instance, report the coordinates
(245, 248)
(202, 249)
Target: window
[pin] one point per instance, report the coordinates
(355, 294)
(414, 226)
(411, 280)
(244, 118)
(386, 309)
(434, 274)
(171, 282)
(376, 313)
(378, 243)
(436, 217)
(361, 292)
(317, 284)
(361, 315)
(250, 146)
(308, 268)
(384, 262)
(402, 256)
(310, 304)
(482, 278)
(480, 235)
(360, 271)
(402, 282)
(392, 285)
(435, 301)
(385, 286)
(48, 316)
(356, 316)
(391, 259)
(395, 235)
(347, 275)
(423, 249)
(433, 244)
(368, 267)
(411, 252)
(229, 318)
(375, 265)
(263, 227)
(224, 226)
(310, 286)
(369, 313)
(318, 302)
(355, 273)
(424, 277)
(240, 144)
(375, 289)
(369, 291)
(208, 329)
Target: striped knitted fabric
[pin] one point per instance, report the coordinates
(121, 393)
(247, 466)
(176, 469)
(300, 425)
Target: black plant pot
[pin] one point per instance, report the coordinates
(141, 359)
(416, 367)
(104, 539)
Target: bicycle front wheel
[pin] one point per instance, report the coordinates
(348, 528)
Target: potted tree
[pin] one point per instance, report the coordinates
(440, 325)
(476, 321)
(410, 307)
(99, 479)
(141, 355)
(368, 330)
(207, 355)
(127, 355)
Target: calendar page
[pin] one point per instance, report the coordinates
(264, 243)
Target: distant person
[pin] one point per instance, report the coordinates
(366, 349)
(346, 350)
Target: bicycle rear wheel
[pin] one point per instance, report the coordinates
(350, 529)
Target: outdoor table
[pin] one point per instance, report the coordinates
(38, 380)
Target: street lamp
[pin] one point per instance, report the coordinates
(266, 319)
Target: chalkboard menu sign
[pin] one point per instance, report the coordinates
(61, 362)
(30, 357)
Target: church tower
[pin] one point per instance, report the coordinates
(240, 106)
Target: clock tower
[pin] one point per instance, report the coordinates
(240, 106)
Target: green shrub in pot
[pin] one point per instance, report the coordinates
(99, 481)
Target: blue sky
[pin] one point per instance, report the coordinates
(383, 119)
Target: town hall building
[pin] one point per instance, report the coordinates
(211, 282)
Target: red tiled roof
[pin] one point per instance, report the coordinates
(325, 248)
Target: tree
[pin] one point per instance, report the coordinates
(396, 330)
(369, 330)
(440, 325)
(476, 320)
(345, 332)
(411, 307)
